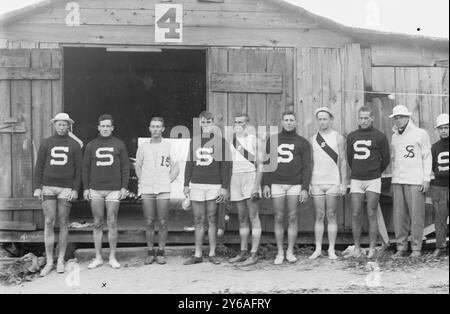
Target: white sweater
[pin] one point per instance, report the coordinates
(411, 156)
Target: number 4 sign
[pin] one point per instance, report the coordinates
(169, 23)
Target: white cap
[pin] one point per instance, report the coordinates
(441, 120)
(400, 110)
(62, 116)
(324, 109)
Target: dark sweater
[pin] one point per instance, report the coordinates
(368, 153)
(58, 163)
(293, 160)
(207, 162)
(440, 162)
(106, 165)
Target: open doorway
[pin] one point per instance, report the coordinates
(133, 87)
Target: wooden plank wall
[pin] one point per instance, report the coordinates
(232, 23)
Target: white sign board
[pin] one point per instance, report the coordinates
(169, 23)
(180, 150)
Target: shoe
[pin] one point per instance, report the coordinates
(193, 260)
(415, 254)
(60, 268)
(95, 263)
(241, 257)
(399, 254)
(149, 260)
(114, 263)
(252, 260)
(214, 260)
(332, 255)
(291, 258)
(439, 252)
(372, 254)
(279, 259)
(46, 270)
(316, 254)
(160, 259)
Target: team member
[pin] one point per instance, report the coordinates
(368, 155)
(245, 187)
(106, 171)
(57, 179)
(289, 183)
(328, 180)
(206, 181)
(411, 172)
(156, 169)
(439, 186)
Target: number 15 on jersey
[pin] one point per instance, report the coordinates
(169, 23)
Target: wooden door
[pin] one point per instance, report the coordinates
(30, 94)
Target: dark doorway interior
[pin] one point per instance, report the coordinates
(133, 87)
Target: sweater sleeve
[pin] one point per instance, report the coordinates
(267, 175)
(78, 163)
(349, 151)
(40, 164)
(86, 170)
(189, 165)
(225, 165)
(385, 153)
(139, 162)
(306, 165)
(434, 155)
(124, 166)
(426, 156)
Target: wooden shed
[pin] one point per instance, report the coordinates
(136, 58)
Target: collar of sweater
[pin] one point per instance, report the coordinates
(370, 128)
(444, 141)
(284, 132)
(104, 138)
(408, 127)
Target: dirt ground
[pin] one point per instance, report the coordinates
(428, 275)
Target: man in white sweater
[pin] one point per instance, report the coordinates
(411, 176)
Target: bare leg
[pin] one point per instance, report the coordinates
(63, 214)
(292, 201)
(332, 224)
(253, 209)
(98, 211)
(212, 229)
(198, 208)
(278, 206)
(357, 204)
(112, 210)
(372, 207)
(244, 227)
(163, 218)
(49, 208)
(149, 209)
(319, 206)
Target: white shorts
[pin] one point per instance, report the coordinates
(204, 192)
(56, 191)
(108, 196)
(321, 190)
(159, 196)
(279, 190)
(363, 186)
(241, 186)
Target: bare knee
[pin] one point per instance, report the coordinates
(243, 221)
(162, 222)
(293, 219)
(279, 219)
(331, 215)
(320, 217)
(98, 224)
(112, 222)
(199, 220)
(150, 221)
(212, 219)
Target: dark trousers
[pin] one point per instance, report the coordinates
(440, 199)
